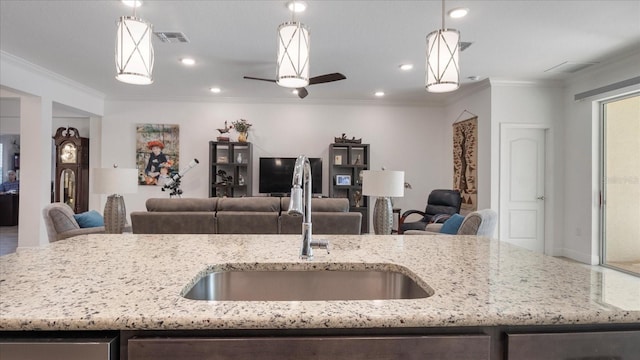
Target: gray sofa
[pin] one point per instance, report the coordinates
(246, 215)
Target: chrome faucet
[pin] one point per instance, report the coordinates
(300, 205)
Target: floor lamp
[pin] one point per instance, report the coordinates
(115, 181)
(384, 184)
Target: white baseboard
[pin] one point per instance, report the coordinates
(577, 256)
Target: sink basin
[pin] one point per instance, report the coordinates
(305, 285)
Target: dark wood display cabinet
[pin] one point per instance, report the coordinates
(72, 169)
(346, 163)
(230, 169)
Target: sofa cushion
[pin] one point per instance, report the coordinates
(181, 204)
(321, 204)
(89, 219)
(179, 222)
(348, 223)
(245, 222)
(260, 204)
(452, 224)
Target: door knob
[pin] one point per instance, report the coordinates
(540, 197)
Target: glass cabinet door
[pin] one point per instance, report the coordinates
(68, 187)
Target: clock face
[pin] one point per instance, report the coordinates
(68, 154)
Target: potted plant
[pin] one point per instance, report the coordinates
(242, 127)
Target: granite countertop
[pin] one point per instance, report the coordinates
(134, 282)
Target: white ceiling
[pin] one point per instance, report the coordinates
(364, 40)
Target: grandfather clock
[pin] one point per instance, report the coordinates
(72, 169)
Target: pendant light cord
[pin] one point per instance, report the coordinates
(443, 15)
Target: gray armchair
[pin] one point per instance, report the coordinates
(60, 223)
(480, 223)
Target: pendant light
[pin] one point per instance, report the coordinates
(443, 71)
(134, 50)
(293, 54)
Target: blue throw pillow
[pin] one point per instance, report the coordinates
(89, 219)
(452, 224)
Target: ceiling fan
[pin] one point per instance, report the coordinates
(302, 92)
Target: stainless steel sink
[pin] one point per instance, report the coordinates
(302, 285)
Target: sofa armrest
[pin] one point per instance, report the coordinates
(246, 222)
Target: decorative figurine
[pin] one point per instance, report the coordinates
(224, 131)
(357, 197)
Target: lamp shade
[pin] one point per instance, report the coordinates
(134, 51)
(443, 71)
(293, 55)
(383, 183)
(115, 181)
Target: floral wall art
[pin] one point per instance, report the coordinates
(157, 153)
(465, 162)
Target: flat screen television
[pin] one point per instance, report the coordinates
(276, 175)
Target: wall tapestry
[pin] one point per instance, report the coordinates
(465, 161)
(157, 153)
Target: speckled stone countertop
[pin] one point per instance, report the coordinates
(120, 282)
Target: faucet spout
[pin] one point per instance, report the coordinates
(300, 204)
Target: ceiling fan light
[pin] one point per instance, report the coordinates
(134, 51)
(443, 71)
(297, 6)
(132, 3)
(458, 13)
(293, 55)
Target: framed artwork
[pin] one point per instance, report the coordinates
(343, 180)
(465, 162)
(337, 160)
(157, 153)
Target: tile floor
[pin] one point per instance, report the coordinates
(8, 239)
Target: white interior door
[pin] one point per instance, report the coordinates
(522, 164)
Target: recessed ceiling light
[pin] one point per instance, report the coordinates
(187, 61)
(297, 6)
(474, 78)
(458, 13)
(294, 91)
(406, 67)
(215, 90)
(132, 3)
(379, 93)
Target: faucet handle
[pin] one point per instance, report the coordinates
(321, 244)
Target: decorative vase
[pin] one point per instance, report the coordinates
(243, 136)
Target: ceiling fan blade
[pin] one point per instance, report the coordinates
(326, 78)
(255, 78)
(302, 93)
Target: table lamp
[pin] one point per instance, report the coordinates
(384, 184)
(115, 181)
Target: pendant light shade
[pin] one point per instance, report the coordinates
(293, 55)
(134, 51)
(443, 72)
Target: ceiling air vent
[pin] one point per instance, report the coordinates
(464, 45)
(172, 37)
(569, 67)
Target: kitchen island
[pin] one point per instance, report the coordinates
(131, 285)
